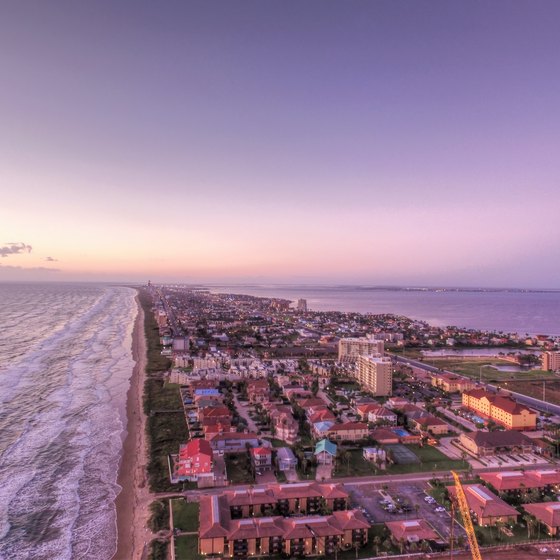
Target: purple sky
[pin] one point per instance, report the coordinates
(374, 141)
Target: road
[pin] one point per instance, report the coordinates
(538, 404)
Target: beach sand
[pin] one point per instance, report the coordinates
(134, 500)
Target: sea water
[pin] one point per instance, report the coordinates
(65, 367)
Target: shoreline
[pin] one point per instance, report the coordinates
(132, 503)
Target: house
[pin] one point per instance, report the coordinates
(258, 391)
(322, 414)
(351, 431)
(261, 458)
(481, 443)
(321, 429)
(383, 435)
(285, 459)
(430, 423)
(233, 442)
(547, 513)
(216, 413)
(285, 426)
(413, 531)
(195, 459)
(325, 452)
(485, 506)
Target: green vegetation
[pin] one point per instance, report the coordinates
(431, 459)
(238, 468)
(473, 369)
(185, 515)
(277, 442)
(156, 362)
(166, 432)
(159, 520)
(186, 548)
(158, 550)
(351, 462)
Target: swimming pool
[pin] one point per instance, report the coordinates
(400, 432)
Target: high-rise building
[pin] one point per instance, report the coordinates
(375, 374)
(302, 305)
(551, 361)
(350, 348)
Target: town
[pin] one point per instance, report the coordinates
(276, 430)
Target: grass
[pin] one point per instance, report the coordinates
(238, 468)
(431, 459)
(473, 369)
(277, 442)
(166, 432)
(186, 548)
(156, 362)
(185, 515)
(357, 466)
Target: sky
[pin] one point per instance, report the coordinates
(372, 142)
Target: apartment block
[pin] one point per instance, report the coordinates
(350, 348)
(375, 374)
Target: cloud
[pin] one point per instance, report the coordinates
(29, 269)
(14, 249)
(50, 259)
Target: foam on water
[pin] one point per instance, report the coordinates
(62, 420)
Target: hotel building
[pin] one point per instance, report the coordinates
(350, 348)
(375, 374)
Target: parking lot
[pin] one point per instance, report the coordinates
(412, 495)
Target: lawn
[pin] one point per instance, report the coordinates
(356, 466)
(277, 442)
(185, 515)
(431, 459)
(238, 468)
(473, 369)
(186, 548)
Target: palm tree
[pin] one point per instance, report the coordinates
(376, 543)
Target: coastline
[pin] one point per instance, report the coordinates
(132, 503)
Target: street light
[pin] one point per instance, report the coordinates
(480, 371)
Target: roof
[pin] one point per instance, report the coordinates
(323, 426)
(261, 451)
(348, 426)
(413, 530)
(546, 512)
(195, 447)
(285, 453)
(326, 446)
(498, 438)
(512, 480)
(484, 502)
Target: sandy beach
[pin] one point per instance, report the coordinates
(134, 500)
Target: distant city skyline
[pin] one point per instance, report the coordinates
(349, 142)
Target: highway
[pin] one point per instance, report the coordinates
(538, 404)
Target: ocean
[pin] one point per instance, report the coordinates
(507, 311)
(65, 367)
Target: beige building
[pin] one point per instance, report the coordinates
(375, 374)
(551, 361)
(350, 348)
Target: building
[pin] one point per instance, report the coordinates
(261, 459)
(550, 361)
(350, 431)
(414, 531)
(486, 508)
(325, 452)
(258, 391)
(375, 374)
(490, 443)
(195, 459)
(516, 482)
(285, 425)
(501, 410)
(246, 523)
(302, 305)
(547, 513)
(233, 442)
(431, 424)
(350, 348)
(451, 383)
(285, 459)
